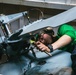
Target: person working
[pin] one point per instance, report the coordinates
(64, 40)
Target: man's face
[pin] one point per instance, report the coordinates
(45, 38)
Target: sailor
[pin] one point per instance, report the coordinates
(64, 40)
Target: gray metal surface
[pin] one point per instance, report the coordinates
(11, 18)
(54, 21)
(15, 67)
(59, 60)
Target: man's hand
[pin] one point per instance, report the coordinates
(42, 47)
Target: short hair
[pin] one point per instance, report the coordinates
(47, 30)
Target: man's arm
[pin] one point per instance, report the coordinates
(62, 41)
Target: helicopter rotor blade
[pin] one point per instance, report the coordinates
(54, 21)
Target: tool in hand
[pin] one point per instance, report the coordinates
(31, 41)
